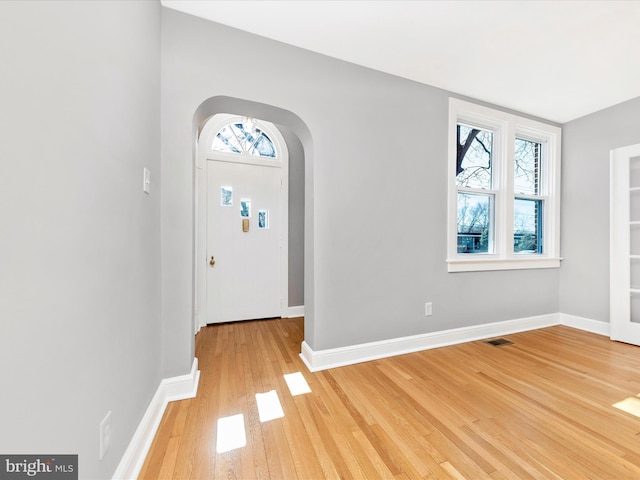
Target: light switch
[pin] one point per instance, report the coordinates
(147, 181)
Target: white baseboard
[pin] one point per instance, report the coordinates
(170, 389)
(293, 312)
(586, 324)
(338, 357)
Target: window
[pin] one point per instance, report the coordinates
(504, 190)
(243, 137)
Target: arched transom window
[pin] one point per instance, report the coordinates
(244, 137)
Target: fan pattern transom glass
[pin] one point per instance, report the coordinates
(243, 138)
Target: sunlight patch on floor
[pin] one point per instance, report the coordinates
(630, 405)
(269, 407)
(297, 384)
(231, 434)
(231, 430)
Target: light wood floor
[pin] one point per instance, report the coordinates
(540, 408)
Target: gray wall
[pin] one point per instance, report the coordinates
(375, 182)
(296, 217)
(586, 143)
(80, 243)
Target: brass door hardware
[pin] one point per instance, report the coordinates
(212, 262)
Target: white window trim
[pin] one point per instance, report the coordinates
(506, 127)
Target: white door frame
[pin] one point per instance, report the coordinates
(622, 328)
(204, 154)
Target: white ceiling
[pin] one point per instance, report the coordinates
(558, 60)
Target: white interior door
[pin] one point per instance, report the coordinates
(243, 241)
(625, 244)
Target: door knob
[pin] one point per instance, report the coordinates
(212, 262)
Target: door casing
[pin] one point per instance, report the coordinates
(622, 326)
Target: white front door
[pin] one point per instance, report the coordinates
(243, 241)
(625, 245)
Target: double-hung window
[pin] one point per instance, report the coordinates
(504, 190)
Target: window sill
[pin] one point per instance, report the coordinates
(486, 264)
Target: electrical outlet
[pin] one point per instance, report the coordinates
(428, 309)
(105, 434)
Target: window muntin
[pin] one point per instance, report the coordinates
(515, 174)
(243, 137)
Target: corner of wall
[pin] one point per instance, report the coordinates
(169, 390)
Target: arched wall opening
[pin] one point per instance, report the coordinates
(301, 233)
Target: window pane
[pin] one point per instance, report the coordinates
(527, 226)
(635, 272)
(226, 141)
(263, 147)
(246, 136)
(226, 196)
(245, 207)
(527, 167)
(263, 219)
(475, 230)
(473, 159)
(634, 239)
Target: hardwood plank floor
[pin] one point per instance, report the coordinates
(541, 408)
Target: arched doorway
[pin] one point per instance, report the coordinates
(242, 221)
(301, 212)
